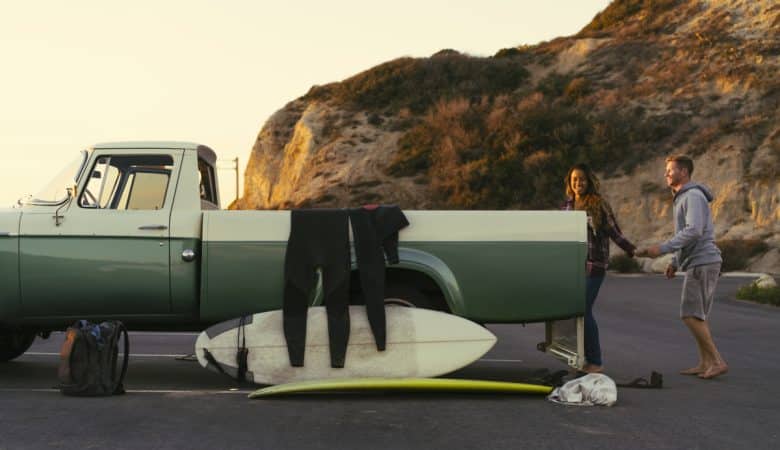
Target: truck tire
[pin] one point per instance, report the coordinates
(405, 295)
(14, 343)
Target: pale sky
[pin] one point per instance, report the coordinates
(80, 72)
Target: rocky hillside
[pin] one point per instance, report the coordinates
(643, 80)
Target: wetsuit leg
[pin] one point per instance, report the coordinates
(294, 313)
(300, 278)
(318, 238)
(371, 263)
(335, 284)
(333, 226)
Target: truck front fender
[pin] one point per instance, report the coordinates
(10, 299)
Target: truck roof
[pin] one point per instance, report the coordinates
(150, 144)
(203, 150)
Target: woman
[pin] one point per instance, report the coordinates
(582, 190)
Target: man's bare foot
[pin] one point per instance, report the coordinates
(693, 370)
(714, 371)
(592, 368)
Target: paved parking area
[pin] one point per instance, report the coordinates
(173, 403)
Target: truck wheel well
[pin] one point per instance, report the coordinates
(407, 285)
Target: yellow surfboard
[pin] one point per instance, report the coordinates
(402, 384)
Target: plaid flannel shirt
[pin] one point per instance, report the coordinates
(598, 242)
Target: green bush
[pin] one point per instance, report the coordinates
(736, 253)
(768, 295)
(624, 264)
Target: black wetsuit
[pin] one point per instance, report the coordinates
(375, 229)
(319, 238)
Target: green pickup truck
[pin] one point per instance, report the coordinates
(134, 231)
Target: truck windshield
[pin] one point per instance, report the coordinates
(56, 190)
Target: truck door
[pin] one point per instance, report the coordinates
(105, 253)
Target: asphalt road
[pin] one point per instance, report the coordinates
(175, 404)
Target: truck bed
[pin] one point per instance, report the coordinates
(491, 266)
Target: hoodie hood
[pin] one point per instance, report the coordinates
(691, 185)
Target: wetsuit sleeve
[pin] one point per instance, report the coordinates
(613, 230)
(390, 247)
(390, 220)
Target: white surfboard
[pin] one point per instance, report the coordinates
(420, 343)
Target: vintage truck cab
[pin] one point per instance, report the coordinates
(134, 231)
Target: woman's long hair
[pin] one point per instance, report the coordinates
(591, 202)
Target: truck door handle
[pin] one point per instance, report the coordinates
(153, 227)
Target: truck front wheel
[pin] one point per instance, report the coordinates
(14, 343)
(410, 296)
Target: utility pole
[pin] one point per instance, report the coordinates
(233, 166)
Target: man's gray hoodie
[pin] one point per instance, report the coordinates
(694, 238)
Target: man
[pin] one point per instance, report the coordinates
(696, 254)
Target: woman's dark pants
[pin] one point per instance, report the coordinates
(592, 346)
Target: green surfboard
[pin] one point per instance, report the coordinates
(403, 385)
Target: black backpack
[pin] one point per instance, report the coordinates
(88, 359)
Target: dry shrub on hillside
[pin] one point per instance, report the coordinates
(704, 137)
(632, 16)
(418, 83)
(537, 160)
(577, 88)
(629, 58)
(511, 151)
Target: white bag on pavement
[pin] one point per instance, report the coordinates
(592, 389)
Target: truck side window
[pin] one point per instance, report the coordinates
(89, 197)
(208, 191)
(146, 191)
(128, 182)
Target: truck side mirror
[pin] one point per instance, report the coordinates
(71, 192)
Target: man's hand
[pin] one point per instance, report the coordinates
(671, 271)
(652, 252)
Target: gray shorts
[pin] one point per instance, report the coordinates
(698, 290)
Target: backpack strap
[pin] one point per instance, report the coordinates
(118, 388)
(210, 358)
